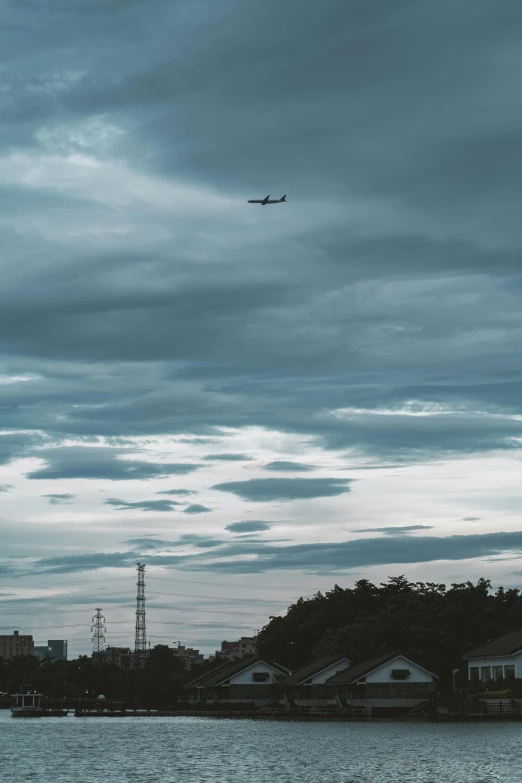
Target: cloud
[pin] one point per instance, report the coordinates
(248, 526)
(6, 487)
(394, 531)
(471, 519)
(260, 490)
(196, 508)
(227, 457)
(345, 556)
(102, 463)
(143, 505)
(176, 492)
(288, 466)
(56, 499)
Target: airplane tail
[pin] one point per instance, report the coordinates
(283, 198)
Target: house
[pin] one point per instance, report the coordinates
(307, 686)
(499, 659)
(250, 680)
(389, 684)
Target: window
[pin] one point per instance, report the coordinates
(498, 673)
(260, 677)
(485, 673)
(509, 672)
(474, 673)
(400, 674)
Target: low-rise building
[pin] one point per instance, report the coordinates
(118, 656)
(236, 651)
(189, 656)
(389, 684)
(15, 645)
(253, 680)
(307, 687)
(498, 660)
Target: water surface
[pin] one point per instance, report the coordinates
(207, 750)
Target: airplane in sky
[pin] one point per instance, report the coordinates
(267, 200)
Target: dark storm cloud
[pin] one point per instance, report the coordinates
(288, 466)
(260, 490)
(143, 505)
(101, 463)
(248, 526)
(227, 458)
(395, 531)
(56, 499)
(394, 277)
(196, 508)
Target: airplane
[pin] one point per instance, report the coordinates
(267, 200)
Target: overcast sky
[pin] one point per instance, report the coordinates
(257, 402)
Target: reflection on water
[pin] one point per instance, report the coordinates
(206, 750)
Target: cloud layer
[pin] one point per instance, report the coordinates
(173, 358)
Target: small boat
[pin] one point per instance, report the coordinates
(29, 705)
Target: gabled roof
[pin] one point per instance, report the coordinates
(209, 673)
(507, 644)
(218, 676)
(355, 673)
(313, 668)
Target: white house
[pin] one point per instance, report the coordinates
(498, 659)
(302, 689)
(253, 680)
(391, 682)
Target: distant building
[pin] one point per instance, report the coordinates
(118, 656)
(58, 649)
(16, 645)
(189, 656)
(236, 651)
(55, 649)
(499, 659)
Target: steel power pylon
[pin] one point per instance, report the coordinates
(140, 644)
(98, 639)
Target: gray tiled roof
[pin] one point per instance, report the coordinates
(313, 668)
(218, 676)
(507, 644)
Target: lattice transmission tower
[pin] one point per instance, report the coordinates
(98, 639)
(140, 644)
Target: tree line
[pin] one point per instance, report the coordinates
(429, 622)
(432, 623)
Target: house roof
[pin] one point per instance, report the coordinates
(209, 673)
(313, 668)
(507, 644)
(355, 673)
(217, 676)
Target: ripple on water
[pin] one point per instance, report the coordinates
(199, 750)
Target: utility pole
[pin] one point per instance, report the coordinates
(140, 645)
(98, 639)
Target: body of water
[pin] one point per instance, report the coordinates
(206, 750)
